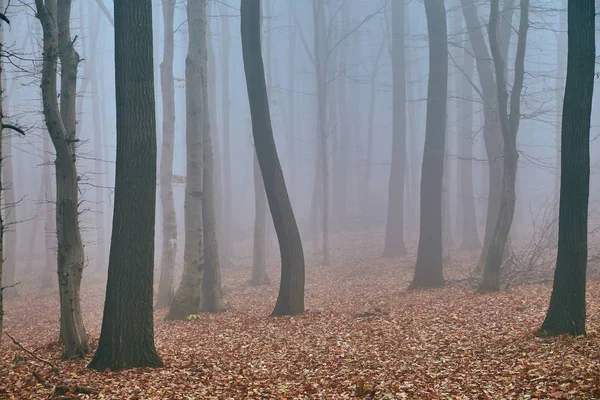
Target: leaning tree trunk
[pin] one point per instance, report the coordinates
(61, 125)
(567, 313)
(394, 233)
(291, 290)
(169, 218)
(127, 335)
(509, 122)
(212, 295)
(188, 296)
(428, 271)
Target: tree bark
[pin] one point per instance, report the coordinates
(428, 271)
(509, 123)
(169, 217)
(567, 313)
(61, 125)
(127, 334)
(290, 300)
(188, 297)
(394, 233)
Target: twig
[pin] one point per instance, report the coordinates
(14, 128)
(48, 363)
(9, 286)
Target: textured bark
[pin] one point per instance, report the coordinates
(321, 54)
(509, 123)
(566, 313)
(394, 233)
(188, 296)
(491, 130)
(169, 217)
(290, 300)
(225, 46)
(212, 295)
(127, 335)
(470, 236)
(428, 271)
(61, 125)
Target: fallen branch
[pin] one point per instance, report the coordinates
(48, 363)
(41, 380)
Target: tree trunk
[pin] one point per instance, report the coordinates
(2, 133)
(189, 294)
(561, 50)
(169, 217)
(567, 313)
(322, 150)
(49, 219)
(127, 335)
(225, 45)
(212, 295)
(491, 131)
(290, 300)
(509, 122)
(259, 271)
(61, 125)
(394, 233)
(470, 236)
(428, 271)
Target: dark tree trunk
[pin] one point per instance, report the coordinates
(428, 271)
(566, 313)
(509, 123)
(291, 290)
(127, 335)
(169, 217)
(394, 232)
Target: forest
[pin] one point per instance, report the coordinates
(299, 199)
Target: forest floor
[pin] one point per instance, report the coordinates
(363, 336)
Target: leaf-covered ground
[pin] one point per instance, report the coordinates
(364, 335)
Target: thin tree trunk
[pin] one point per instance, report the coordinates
(61, 125)
(428, 271)
(567, 310)
(127, 335)
(169, 216)
(394, 233)
(290, 300)
(509, 121)
(188, 298)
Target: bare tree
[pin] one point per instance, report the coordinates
(291, 290)
(188, 297)
(428, 271)
(509, 124)
(169, 217)
(567, 310)
(61, 124)
(127, 335)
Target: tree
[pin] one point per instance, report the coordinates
(291, 289)
(428, 271)
(566, 313)
(60, 120)
(394, 233)
(169, 217)
(509, 124)
(188, 296)
(127, 334)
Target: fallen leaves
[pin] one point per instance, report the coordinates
(364, 336)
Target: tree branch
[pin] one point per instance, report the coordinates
(48, 363)
(14, 128)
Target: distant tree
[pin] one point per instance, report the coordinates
(60, 120)
(127, 334)
(291, 290)
(169, 217)
(428, 271)
(188, 296)
(394, 233)
(567, 313)
(510, 116)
